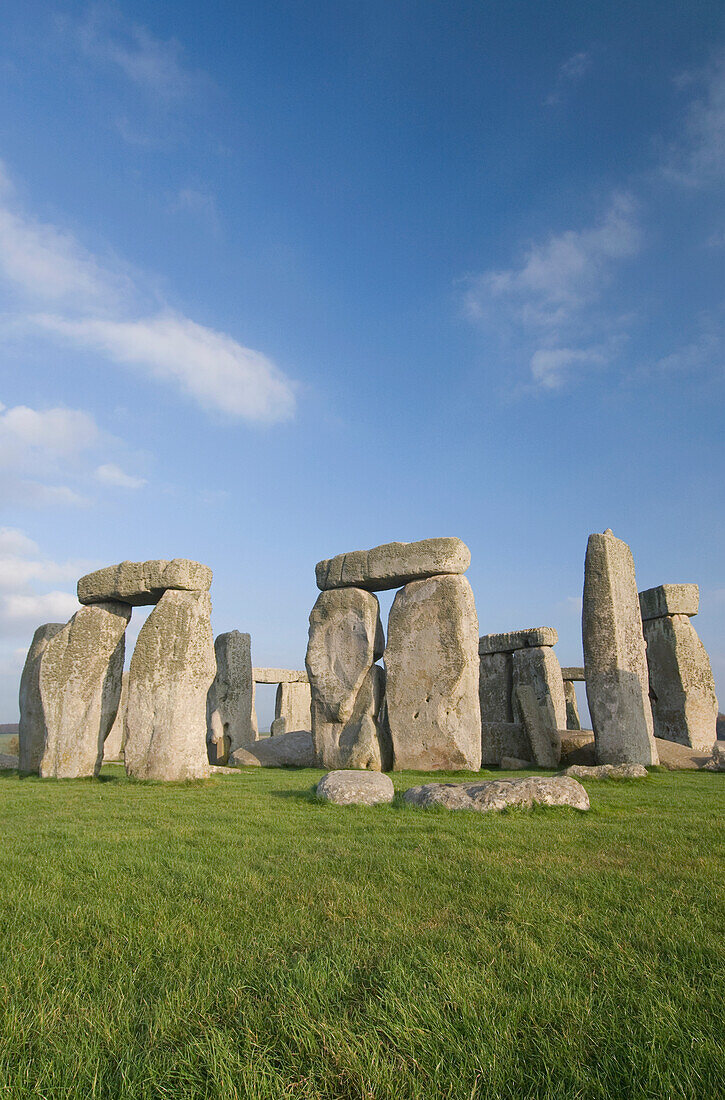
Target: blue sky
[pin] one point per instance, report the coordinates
(283, 280)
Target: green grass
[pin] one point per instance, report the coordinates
(235, 938)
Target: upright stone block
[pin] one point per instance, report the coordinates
(345, 639)
(31, 730)
(495, 687)
(172, 668)
(80, 689)
(231, 721)
(113, 745)
(433, 676)
(573, 722)
(292, 708)
(614, 655)
(682, 688)
(539, 667)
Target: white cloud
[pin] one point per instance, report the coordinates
(548, 304)
(16, 543)
(111, 474)
(698, 158)
(570, 72)
(52, 432)
(50, 607)
(210, 367)
(22, 564)
(206, 365)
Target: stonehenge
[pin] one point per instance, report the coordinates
(434, 697)
(681, 685)
(614, 655)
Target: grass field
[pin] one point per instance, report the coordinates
(235, 938)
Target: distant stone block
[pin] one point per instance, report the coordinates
(518, 639)
(393, 564)
(669, 599)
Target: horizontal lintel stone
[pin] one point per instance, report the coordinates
(143, 582)
(393, 564)
(573, 674)
(518, 639)
(669, 599)
(279, 676)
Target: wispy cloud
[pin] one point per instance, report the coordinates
(111, 474)
(698, 157)
(192, 200)
(569, 73)
(543, 306)
(95, 307)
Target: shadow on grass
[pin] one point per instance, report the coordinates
(309, 795)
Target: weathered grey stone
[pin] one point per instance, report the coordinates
(279, 676)
(231, 721)
(433, 676)
(143, 582)
(717, 761)
(538, 666)
(681, 684)
(500, 739)
(577, 747)
(607, 771)
(500, 794)
(113, 745)
(614, 655)
(393, 564)
(356, 788)
(345, 639)
(537, 721)
(292, 750)
(172, 669)
(675, 757)
(31, 729)
(292, 707)
(573, 721)
(573, 673)
(7, 761)
(512, 763)
(495, 687)
(80, 689)
(517, 639)
(669, 599)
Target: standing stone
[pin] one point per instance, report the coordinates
(292, 708)
(231, 722)
(113, 745)
(80, 688)
(536, 720)
(172, 668)
(681, 684)
(573, 722)
(31, 730)
(345, 639)
(614, 655)
(433, 676)
(539, 666)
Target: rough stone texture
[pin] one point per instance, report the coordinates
(499, 794)
(518, 639)
(172, 669)
(345, 639)
(292, 750)
(80, 689)
(512, 763)
(577, 747)
(537, 721)
(143, 582)
(607, 771)
(539, 667)
(356, 788)
(279, 676)
(433, 676)
(292, 708)
(716, 763)
(393, 564)
(573, 721)
(503, 739)
(614, 655)
(31, 729)
(231, 721)
(8, 761)
(573, 673)
(495, 687)
(681, 684)
(113, 745)
(678, 758)
(669, 599)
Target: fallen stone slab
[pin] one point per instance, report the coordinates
(279, 676)
(356, 788)
(31, 728)
(143, 582)
(518, 639)
(572, 673)
(512, 763)
(393, 564)
(500, 794)
(607, 771)
(669, 599)
(8, 761)
(716, 763)
(676, 757)
(290, 750)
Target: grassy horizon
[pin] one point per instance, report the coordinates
(236, 938)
